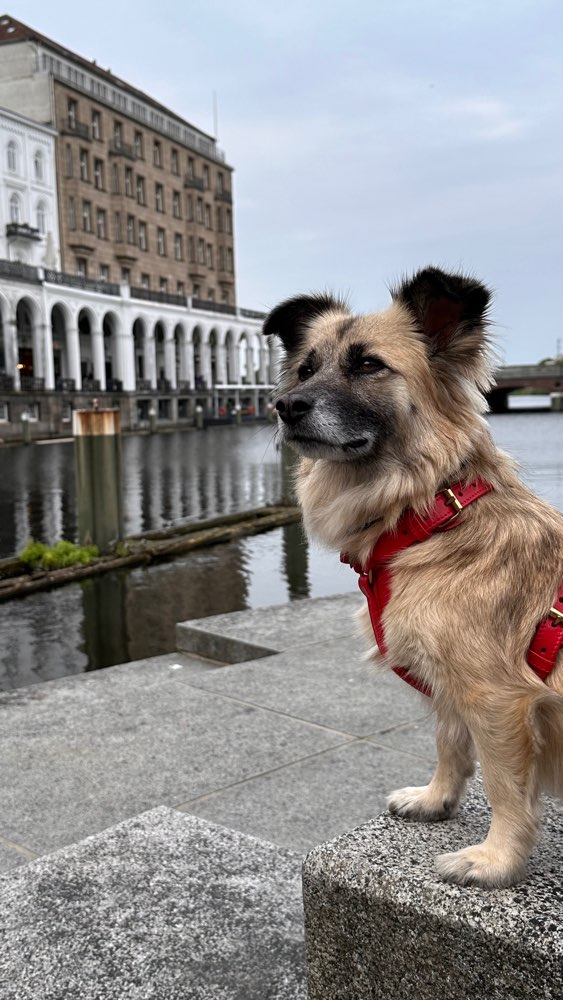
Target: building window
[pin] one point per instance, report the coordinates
(117, 226)
(180, 288)
(199, 210)
(117, 135)
(115, 178)
(12, 155)
(229, 221)
(196, 291)
(163, 284)
(42, 218)
(71, 213)
(208, 216)
(143, 242)
(190, 168)
(178, 248)
(96, 125)
(221, 259)
(82, 267)
(101, 223)
(159, 197)
(84, 171)
(220, 182)
(211, 294)
(206, 177)
(99, 174)
(71, 112)
(69, 166)
(104, 272)
(219, 219)
(4, 412)
(201, 252)
(141, 190)
(191, 249)
(33, 411)
(209, 255)
(38, 165)
(189, 208)
(15, 209)
(176, 205)
(156, 154)
(229, 260)
(87, 216)
(130, 229)
(225, 296)
(161, 242)
(125, 276)
(139, 145)
(128, 182)
(145, 281)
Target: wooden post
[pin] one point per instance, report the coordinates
(97, 449)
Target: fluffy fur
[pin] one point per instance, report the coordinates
(386, 410)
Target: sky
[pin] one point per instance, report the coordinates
(369, 138)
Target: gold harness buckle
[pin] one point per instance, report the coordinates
(452, 501)
(558, 615)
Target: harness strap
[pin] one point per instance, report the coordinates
(548, 639)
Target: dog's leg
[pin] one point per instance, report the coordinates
(508, 750)
(440, 799)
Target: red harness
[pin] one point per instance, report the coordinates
(375, 576)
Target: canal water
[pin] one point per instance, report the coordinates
(172, 478)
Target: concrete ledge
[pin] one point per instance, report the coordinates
(162, 906)
(380, 924)
(249, 635)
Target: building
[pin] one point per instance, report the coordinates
(145, 198)
(29, 215)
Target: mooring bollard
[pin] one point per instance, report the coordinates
(153, 416)
(557, 402)
(26, 428)
(238, 414)
(199, 417)
(97, 449)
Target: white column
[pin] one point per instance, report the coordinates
(250, 373)
(263, 376)
(206, 363)
(98, 359)
(49, 370)
(38, 341)
(170, 361)
(187, 362)
(221, 355)
(126, 360)
(11, 350)
(150, 360)
(73, 355)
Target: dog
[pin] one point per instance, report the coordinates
(386, 411)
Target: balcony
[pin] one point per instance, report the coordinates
(78, 281)
(164, 385)
(216, 307)
(252, 314)
(122, 149)
(91, 385)
(194, 182)
(30, 384)
(70, 126)
(166, 298)
(143, 385)
(65, 385)
(22, 231)
(6, 382)
(15, 269)
(224, 196)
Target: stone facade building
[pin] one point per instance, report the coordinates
(145, 198)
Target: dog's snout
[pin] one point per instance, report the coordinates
(293, 407)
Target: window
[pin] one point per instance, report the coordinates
(190, 168)
(66, 415)
(221, 259)
(196, 291)
(117, 134)
(33, 411)
(38, 165)
(104, 272)
(69, 166)
(161, 242)
(189, 208)
(201, 252)
(130, 229)
(156, 154)
(209, 255)
(143, 242)
(180, 288)
(96, 125)
(125, 276)
(229, 221)
(219, 219)
(87, 216)
(101, 223)
(4, 412)
(141, 190)
(12, 154)
(206, 177)
(139, 145)
(71, 112)
(145, 281)
(42, 218)
(159, 197)
(220, 182)
(176, 205)
(208, 216)
(163, 284)
(84, 171)
(117, 226)
(71, 213)
(225, 296)
(15, 209)
(229, 260)
(82, 267)
(191, 248)
(115, 178)
(128, 182)
(178, 248)
(199, 210)
(174, 165)
(98, 174)
(211, 294)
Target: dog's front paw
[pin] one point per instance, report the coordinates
(480, 866)
(422, 803)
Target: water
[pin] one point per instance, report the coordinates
(169, 478)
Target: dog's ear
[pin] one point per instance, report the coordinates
(290, 319)
(450, 309)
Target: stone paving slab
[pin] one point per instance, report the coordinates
(313, 800)
(374, 893)
(247, 635)
(162, 907)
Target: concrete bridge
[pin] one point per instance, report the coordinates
(548, 378)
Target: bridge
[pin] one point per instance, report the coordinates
(548, 378)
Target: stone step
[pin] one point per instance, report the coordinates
(381, 925)
(164, 906)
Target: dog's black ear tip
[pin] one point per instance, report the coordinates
(289, 319)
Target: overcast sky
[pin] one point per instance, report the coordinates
(369, 137)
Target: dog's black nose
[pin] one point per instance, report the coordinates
(293, 407)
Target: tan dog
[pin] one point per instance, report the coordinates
(386, 410)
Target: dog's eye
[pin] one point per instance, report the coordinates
(370, 365)
(304, 372)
